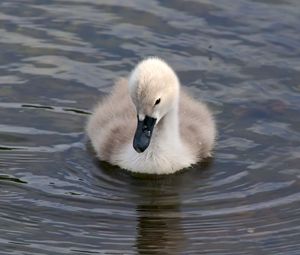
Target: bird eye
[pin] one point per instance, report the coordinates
(157, 101)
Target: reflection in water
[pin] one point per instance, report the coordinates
(158, 204)
(159, 228)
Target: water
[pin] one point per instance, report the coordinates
(58, 58)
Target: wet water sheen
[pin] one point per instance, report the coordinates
(57, 58)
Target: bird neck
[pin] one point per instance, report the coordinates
(169, 126)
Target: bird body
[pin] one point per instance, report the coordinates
(148, 124)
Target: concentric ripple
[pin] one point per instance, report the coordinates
(58, 58)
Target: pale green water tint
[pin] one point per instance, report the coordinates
(57, 58)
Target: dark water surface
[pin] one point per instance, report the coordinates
(57, 58)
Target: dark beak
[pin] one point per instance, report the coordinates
(143, 134)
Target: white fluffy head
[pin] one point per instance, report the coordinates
(154, 88)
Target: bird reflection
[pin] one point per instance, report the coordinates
(159, 209)
(159, 229)
(158, 200)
